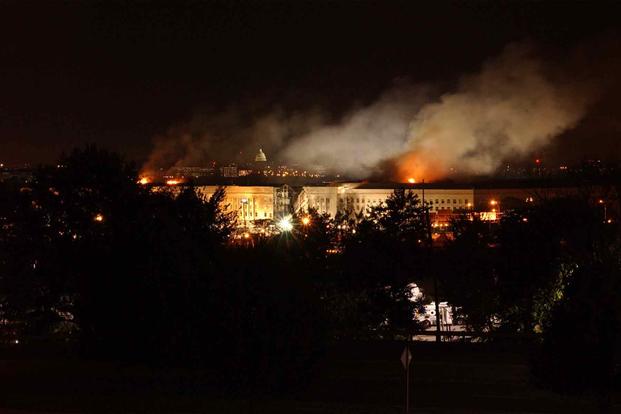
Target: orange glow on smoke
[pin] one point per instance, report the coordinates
(414, 168)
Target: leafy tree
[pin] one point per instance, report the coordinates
(581, 344)
(382, 255)
(150, 276)
(468, 273)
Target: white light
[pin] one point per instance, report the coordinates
(285, 224)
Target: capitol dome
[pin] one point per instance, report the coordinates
(260, 157)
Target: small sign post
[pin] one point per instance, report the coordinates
(406, 359)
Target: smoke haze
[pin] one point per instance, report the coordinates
(514, 105)
(510, 109)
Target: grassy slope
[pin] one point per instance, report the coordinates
(351, 378)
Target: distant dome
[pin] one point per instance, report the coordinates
(260, 157)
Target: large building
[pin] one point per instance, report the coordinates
(256, 203)
(357, 197)
(252, 203)
(269, 203)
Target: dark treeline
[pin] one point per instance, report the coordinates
(92, 259)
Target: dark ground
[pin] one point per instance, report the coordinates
(352, 378)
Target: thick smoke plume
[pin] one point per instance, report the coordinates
(515, 105)
(510, 109)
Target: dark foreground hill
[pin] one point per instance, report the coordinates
(351, 378)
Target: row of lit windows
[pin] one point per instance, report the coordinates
(359, 200)
(255, 214)
(448, 201)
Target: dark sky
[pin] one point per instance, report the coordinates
(118, 73)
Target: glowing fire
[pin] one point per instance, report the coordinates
(173, 181)
(144, 180)
(414, 167)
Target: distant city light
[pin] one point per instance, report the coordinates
(493, 202)
(306, 220)
(99, 218)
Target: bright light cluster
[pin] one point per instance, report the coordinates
(285, 224)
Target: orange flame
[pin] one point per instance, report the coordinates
(415, 167)
(173, 181)
(144, 180)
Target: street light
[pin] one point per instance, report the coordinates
(306, 220)
(285, 224)
(603, 203)
(495, 208)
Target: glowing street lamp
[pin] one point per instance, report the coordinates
(98, 218)
(285, 224)
(603, 203)
(306, 220)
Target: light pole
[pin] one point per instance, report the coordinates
(429, 259)
(603, 203)
(495, 208)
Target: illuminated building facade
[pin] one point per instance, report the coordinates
(255, 203)
(252, 203)
(356, 198)
(261, 204)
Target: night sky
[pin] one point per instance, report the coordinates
(117, 73)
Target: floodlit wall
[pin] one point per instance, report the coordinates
(251, 203)
(352, 198)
